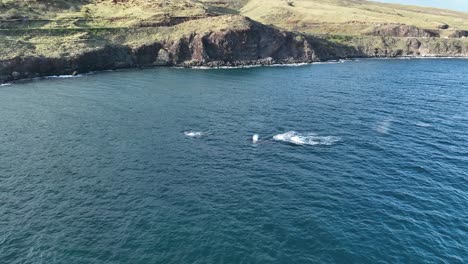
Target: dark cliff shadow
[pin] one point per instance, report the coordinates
(331, 50)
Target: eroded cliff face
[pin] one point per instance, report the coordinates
(388, 47)
(255, 44)
(403, 31)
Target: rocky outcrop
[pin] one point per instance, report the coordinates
(459, 34)
(109, 57)
(443, 26)
(402, 31)
(255, 43)
(422, 47)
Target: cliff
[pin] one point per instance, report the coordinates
(40, 38)
(217, 43)
(403, 31)
(248, 43)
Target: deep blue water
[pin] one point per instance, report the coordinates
(358, 162)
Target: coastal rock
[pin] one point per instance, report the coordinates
(255, 43)
(15, 75)
(459, 34)
(163, 58)
(146, 54)
(443, 26)
(403, 31)
(413, 44)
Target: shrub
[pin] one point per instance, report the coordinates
(12, 14)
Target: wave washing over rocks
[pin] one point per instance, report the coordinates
(65, 76)
(311, 139)
(266, 65)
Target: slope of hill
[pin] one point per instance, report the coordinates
(45, 37)
(350, 16)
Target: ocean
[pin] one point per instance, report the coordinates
(354, 162)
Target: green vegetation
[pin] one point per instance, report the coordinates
(351, 17)
(56, 28)
(67, 27)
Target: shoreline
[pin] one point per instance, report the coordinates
(258, 64)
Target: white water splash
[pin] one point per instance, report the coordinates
(193, 134)
(5, 84)
(290, 64)
(296, 138)
(64, 76)
(422, 124)
(222, 67)
(265, 65)
(332, 62)
(255, 138)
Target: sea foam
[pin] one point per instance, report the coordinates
(422, 124)
(193, 134)
(64, 76)
(311, 139)
(299, 64)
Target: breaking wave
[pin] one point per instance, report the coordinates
(64, 76)
(299, 64)
(222, 67)
(311, 139)
(332, 61)
(290, 64)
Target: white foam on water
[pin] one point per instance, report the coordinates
(193, 134)
(422, 124)
(311, 139)
(5, 84)
(64, 76)
(255, 138)
(260, 65)
(221, 67)
(290, 64)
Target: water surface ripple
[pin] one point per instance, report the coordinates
(357, 162)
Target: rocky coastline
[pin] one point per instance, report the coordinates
(257, 44)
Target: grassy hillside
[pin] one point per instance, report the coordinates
(348, 16)
(95, 13)
(352, 17)
(69, 27)
(56, 28)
